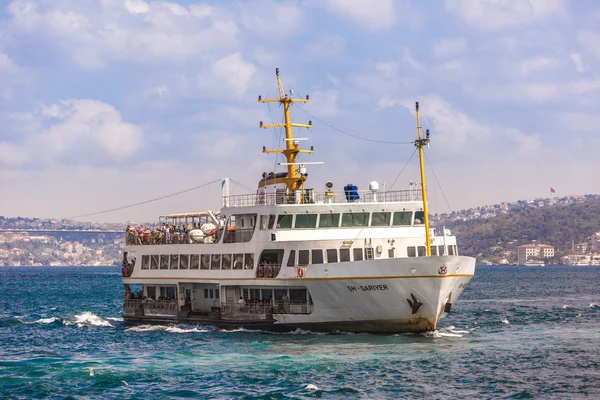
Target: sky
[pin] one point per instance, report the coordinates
(106, 103)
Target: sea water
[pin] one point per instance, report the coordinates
(526, 332)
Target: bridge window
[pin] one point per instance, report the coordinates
(411, 251)
(380, 219)
(205, 261)
(145, 262)
(226, 261)
(355, 219)
(292, 258)
(164, 261)
(422, 251)
(215, 261)
(358, 254)
(238, 261)
(303, 258)
(419, 217)
(264, 222)
(441, 250)
(433, 250)
(194, 261)
(344, 255)
(455, 250)
(329, 220)
(317, 256)
(332, 256)
(284, 221)
(450, 250)
(154, 262)
(306, 221)
(249, 261)
(184, 260)
(391, 252)
(402, 218)
(174, 261)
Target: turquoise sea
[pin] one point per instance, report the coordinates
(516, 332)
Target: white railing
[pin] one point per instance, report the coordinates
(360, 196)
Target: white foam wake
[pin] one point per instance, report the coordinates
(505, 321)
(118, 319)
(46, 320)
(165, 328)
(89, 319)
(312, 387)
(594, 305)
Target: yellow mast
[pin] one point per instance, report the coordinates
(293, 181)
(419, 143)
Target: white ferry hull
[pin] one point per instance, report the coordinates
(380, 296)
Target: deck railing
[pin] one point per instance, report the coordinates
(360, 196)
(268, 270)
(271, 307)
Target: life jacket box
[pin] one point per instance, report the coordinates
(351, 192)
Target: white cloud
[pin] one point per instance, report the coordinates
(590, 41)
(536, 64)
(374, 16)
(452, 127)
(234, 72)
(578, 62)
(272, 18)
(136, 31)
(498, 14)
(449, 47)
(12, 155)
(84, 120)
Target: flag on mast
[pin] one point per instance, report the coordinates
(552, 190)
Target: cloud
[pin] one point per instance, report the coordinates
(231, 72)
(76, 130)
(449, 47)
(578, 62)
(272, 18)
(590, 40)
(530, 65)
(499, 14)
(135, 31)
(374, 16)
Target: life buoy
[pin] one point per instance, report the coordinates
(213, 232)
(300, 272)
(270, 271)
(261, 272)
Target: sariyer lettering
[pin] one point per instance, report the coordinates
(367, 288)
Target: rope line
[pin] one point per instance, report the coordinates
(438, 182)
(145, 202)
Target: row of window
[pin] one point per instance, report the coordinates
(300, 257)
(345, 220)
(196, 261)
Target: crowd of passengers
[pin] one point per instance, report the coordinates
(165, 234)
(148, 299)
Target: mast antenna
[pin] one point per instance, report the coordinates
(419, 143)
(294, 180)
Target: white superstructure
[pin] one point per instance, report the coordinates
(288, 258)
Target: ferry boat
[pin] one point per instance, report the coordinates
(289, 257)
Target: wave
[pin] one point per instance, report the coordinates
(441, 333)
(47, 320)
(505, 321)
(165, 328)
(312, 387)
(87, 318)
(594, 305)
(118, 319)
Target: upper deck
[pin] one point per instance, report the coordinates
(329, 197)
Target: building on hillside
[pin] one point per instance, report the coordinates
(581, 247)
(527, 252)
(595, 242)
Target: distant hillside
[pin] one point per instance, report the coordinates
(557, 225)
